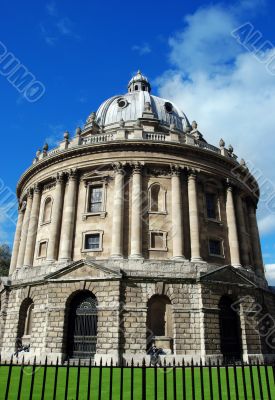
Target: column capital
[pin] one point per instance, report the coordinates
(73, 174)
(175, 170)
(59, 177)
(229, 185)
(118, 168)
(30, 193)
(137, 167)
(22, 206)
(192, 174)
(37, 188)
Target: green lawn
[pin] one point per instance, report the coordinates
(84, 373)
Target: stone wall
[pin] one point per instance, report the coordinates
(122, 317)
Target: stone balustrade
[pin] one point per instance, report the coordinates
(170, 137)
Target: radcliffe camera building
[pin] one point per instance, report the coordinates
(137, 231)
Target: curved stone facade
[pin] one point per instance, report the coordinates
(132, 211)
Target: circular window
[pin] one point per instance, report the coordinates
(122, 103)
(168, 107)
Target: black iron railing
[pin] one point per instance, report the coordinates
(83, 379)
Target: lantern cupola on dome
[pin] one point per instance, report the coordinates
(139, 82)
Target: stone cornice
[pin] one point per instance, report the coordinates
(144, 146)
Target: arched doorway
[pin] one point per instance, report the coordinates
(231, 347)
(159, 323)
(82, 326)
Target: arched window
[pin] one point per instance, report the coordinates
(156, 198)
(47, 212)
(230, 330)
(159, 322)
(136, 87)
(25, 322)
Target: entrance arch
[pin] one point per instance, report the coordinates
(82, 326)
(230, 331)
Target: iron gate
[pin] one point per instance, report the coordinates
(83, 327)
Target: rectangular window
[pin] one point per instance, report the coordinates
(92, 241)
(158, 240)
(42, 250)
(215, 247)
(211, 205)
(96, 199)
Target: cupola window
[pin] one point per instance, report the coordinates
(122, 103)
(168, 107)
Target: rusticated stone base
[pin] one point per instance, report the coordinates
(123, 295)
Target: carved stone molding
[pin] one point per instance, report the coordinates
(137, 167)
(118, 167)
(175, 170)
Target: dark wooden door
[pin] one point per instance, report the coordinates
(83, 327)
(230, 331)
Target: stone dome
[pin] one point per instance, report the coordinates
(131, 106)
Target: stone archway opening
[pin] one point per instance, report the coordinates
(25, 322)
(81, 325)
(159, 323)
(230, 331)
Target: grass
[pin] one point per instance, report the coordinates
(150, 389)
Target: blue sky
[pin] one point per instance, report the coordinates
(84, 52)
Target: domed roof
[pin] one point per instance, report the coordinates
(131, 106)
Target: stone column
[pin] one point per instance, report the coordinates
(255, 239)
(24, 232)
(32, 230)
(232, 228)
(17, 237)
(136, 220)
(118, 209)
(56, 218)
(177, 223)
(242, 230)
(68, 220)
(194, 217)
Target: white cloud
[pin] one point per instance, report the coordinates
(56, 26)
(51, 9)
(142, 49)
(56, 135)
(216, 82)
(270, 274)
(64, 26)
(48, 36)
(8, 215)
(267, 224)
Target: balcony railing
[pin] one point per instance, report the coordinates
(173, 137)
